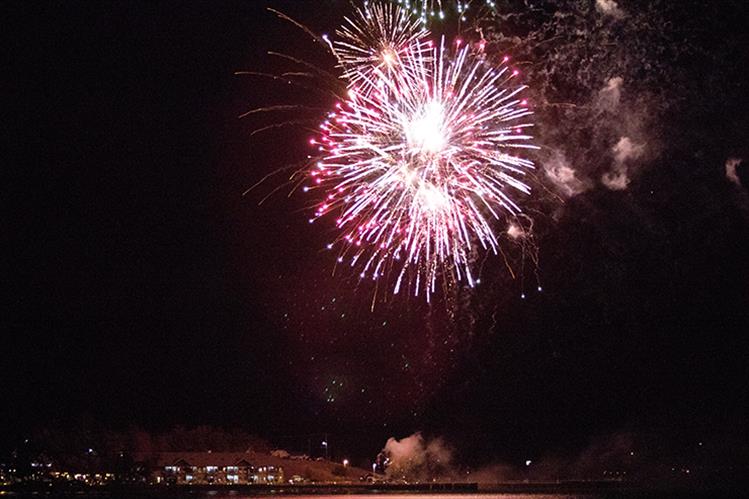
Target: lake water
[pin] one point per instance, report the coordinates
(611, 494)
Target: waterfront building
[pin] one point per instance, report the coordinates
(205, 468)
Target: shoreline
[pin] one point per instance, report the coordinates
(562, 487)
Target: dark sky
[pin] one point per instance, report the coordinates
(143, 288)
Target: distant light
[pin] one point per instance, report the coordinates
(528, 462)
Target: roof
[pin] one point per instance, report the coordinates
(161, 459)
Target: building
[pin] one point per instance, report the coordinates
(221, 468)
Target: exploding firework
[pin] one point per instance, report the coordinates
(424, 156)
(375, 40)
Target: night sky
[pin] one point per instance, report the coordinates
(142, 288)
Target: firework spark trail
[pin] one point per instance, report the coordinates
(427, 10)
(422, 157)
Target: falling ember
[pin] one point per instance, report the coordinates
(424, 159)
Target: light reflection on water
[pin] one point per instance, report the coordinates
(425, 496)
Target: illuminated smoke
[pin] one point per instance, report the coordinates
(609, 96)
(610, 8)
(624, 151)
(731, 172)
(563, 176)
(414, 457)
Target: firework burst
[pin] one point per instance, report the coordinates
(374, 40)
(422, 159)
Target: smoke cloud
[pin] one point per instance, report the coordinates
(601, 92)
(626, 456)
(731, 170)
(563, 176)
(624, 151)
(610, 8)
(616, 180)
(417, 458)
(609, 95)
(609, 119)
